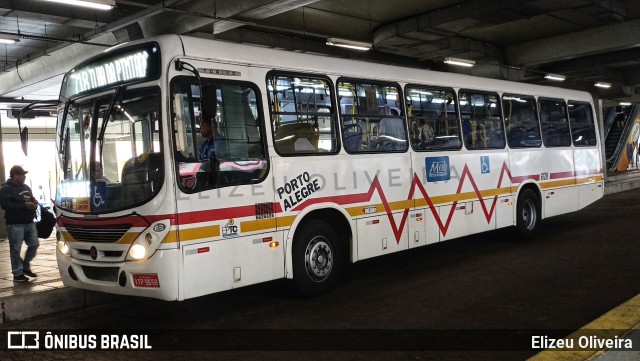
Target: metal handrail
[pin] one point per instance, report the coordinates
(622, 142)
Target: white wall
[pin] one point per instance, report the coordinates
(40, 162)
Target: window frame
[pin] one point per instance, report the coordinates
(537, 120)
(334, 115)
(500, 116)
(566, 116)
(457, 112)
(178, 157)
(593, 123)
(401, 107)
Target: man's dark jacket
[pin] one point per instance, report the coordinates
(13, 199)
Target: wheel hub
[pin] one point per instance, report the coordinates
(529, 214)
(318, 259)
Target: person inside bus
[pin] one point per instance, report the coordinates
(209, 131)
(421, 136)
(96, 171)
(467, 132)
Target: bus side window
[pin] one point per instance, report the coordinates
(240, 147)
(433, 118)
(521, 121)
(482, 124)
(302, 114)
(583, 129)
(371, 118)
(554, 123)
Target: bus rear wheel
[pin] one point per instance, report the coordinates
(528, 214)
(317, 258)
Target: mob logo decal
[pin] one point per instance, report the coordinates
(437, 169)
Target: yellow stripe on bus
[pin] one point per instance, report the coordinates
(213, 231)
(401, 205)
(127, 238)
(171, 237)
(191, 234)
(257, 225)
(593, 179)
(560, 183)
(285, 221)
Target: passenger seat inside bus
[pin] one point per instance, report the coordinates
(297, 138)
(352, 137)
(142, 176)
(392, 134)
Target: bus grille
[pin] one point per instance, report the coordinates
(98, 234)
(109, 274)
(109, 254)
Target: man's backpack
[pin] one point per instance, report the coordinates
(46, 223)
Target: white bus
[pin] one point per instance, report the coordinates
(319, 162)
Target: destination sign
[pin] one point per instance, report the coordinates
(129, 65)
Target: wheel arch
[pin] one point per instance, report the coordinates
(332, 214)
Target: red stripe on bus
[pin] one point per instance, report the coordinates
(220, 214)
(248, 211)
(562, 175)
(134, 220)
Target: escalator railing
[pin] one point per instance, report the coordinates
(612, 162)
(609, 118)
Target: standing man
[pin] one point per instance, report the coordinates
(19, 206)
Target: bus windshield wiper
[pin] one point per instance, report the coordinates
(107, 114)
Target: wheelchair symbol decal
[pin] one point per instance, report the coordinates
(97, 197)
(484, 165)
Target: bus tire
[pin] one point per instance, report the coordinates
(317, 258)
(528, 214)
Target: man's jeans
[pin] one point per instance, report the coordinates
(16, 234)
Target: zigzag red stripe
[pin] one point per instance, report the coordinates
(416, 183)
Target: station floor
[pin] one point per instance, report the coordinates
(44, 265)
(47, 294)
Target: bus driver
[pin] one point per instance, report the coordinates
(209, 131)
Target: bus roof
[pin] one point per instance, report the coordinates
(305, 62)
(173, 46)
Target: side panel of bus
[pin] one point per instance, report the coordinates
(228, 234)
(557, 179)
(590, 185)
(477, 185)
(386, 231)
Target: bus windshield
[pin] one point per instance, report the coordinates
(110, 151)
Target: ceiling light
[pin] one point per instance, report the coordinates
(9, 38)
(625, 103)
(350, 44)
(94, 4)
(557, 77)
(602, 84)
(459, 62)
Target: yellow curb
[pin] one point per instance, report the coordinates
(618, 322)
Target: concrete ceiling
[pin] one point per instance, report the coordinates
(585, 40)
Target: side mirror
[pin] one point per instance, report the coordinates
(24, 139)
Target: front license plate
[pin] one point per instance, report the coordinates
(146, 280)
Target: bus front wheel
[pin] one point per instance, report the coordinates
(317, 258)
(528, 214)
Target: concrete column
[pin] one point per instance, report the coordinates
(3, 228)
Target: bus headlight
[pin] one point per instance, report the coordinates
(137, 251)
(148, 241)
(63, 247)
